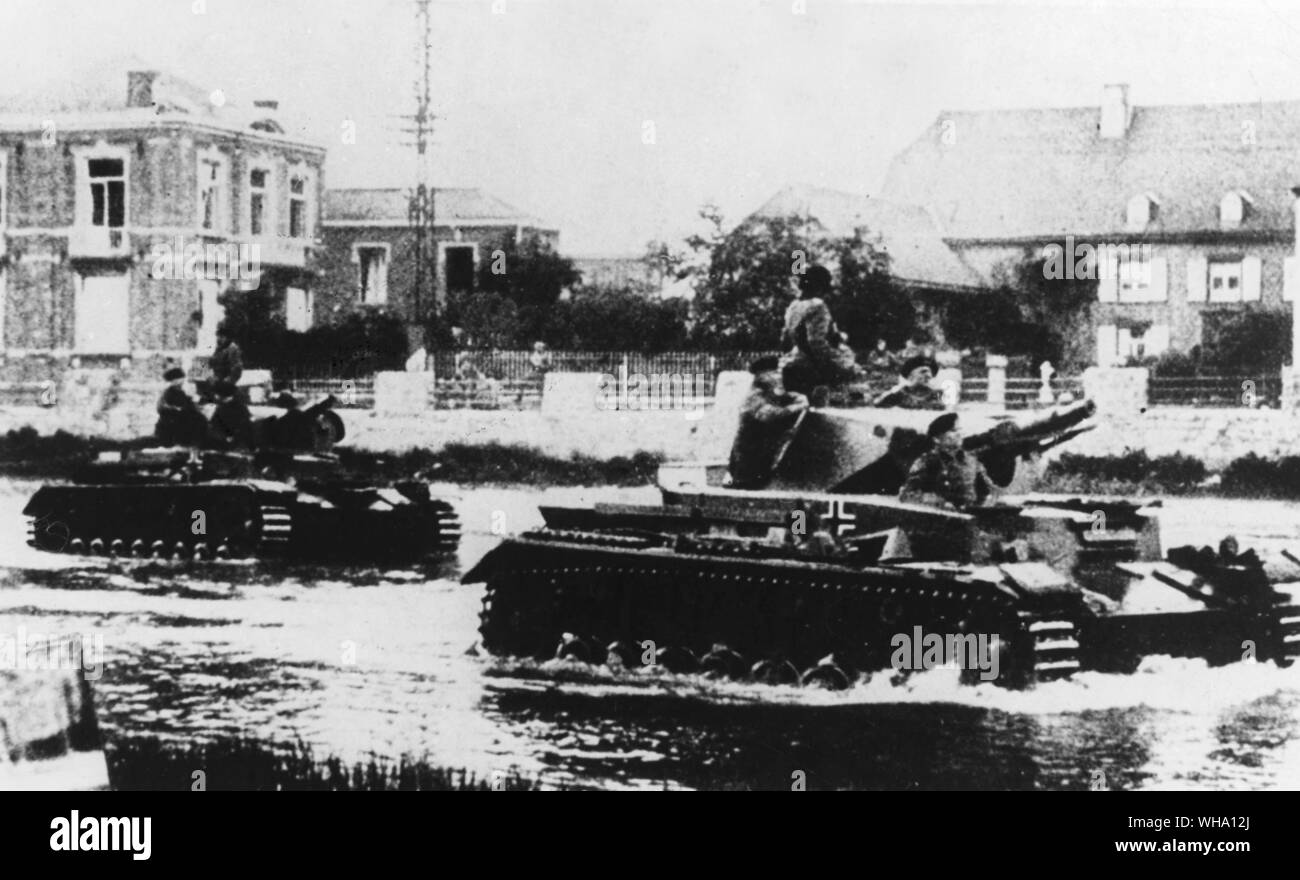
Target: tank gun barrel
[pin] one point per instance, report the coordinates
(1036, 436)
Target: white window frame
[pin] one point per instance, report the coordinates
(1228, 294)
(309, 307)
(357, 248)
(1131, 289)
(269, 227)
(209, 159)
(1130, 347)
(79, 289)
(442, 258)
(83, 205)
(300, 171)
(1140, 212)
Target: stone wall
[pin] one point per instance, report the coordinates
(1216, 435)
(571, 422)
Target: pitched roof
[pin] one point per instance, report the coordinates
(388, 206)
(918, 254)
(1047, 172)
(97, 94)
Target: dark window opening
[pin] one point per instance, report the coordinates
(460, 269)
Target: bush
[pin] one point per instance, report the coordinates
(359, 344)
(1131, 472)
(1254, 476)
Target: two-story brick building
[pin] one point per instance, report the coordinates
(127, 209)
(368, 258)
(1199, 197)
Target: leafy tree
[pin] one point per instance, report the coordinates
(744, 281)
(488, 319)
(1026, 315)
(868, 305)
(617, 319)
(531, 275)
(358, 344)
(1247, 341)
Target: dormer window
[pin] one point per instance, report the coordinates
(1141, 212)
(1234, 208)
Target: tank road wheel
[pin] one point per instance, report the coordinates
(722, 662)
(572, 647)
(138, 549)
(117, 547)
(826, 674)
(774, 671)
(624, 656)
(158, 550)
(676, 660)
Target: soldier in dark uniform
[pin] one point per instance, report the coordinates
(818, 353)
(293, 430)
(915, 391)
(231, 426)
(180, 422)
(947, 475)
(227, 362)
(767, 421)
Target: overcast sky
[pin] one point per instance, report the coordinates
(546, 102)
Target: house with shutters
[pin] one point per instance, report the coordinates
(130, 203)
(368, 258)
(1188, 210)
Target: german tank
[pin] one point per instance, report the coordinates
(270, 502)
(823, 574)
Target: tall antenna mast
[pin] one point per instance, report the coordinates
(421, 211)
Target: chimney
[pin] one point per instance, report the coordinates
(139, 87)
(1115, 111)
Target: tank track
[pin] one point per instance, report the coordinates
(1053, 647)
(1282, 635)
(449, 528)
(694, 601)
(267, 528)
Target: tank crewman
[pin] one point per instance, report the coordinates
(227, 362)
(818, 354)
(292, 430)
(947, 475)
(915, 390)
(768, 418)
(180, 422)
(231, 426)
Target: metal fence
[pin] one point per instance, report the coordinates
(511, 380)
(520, 365)
(1257, 390)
